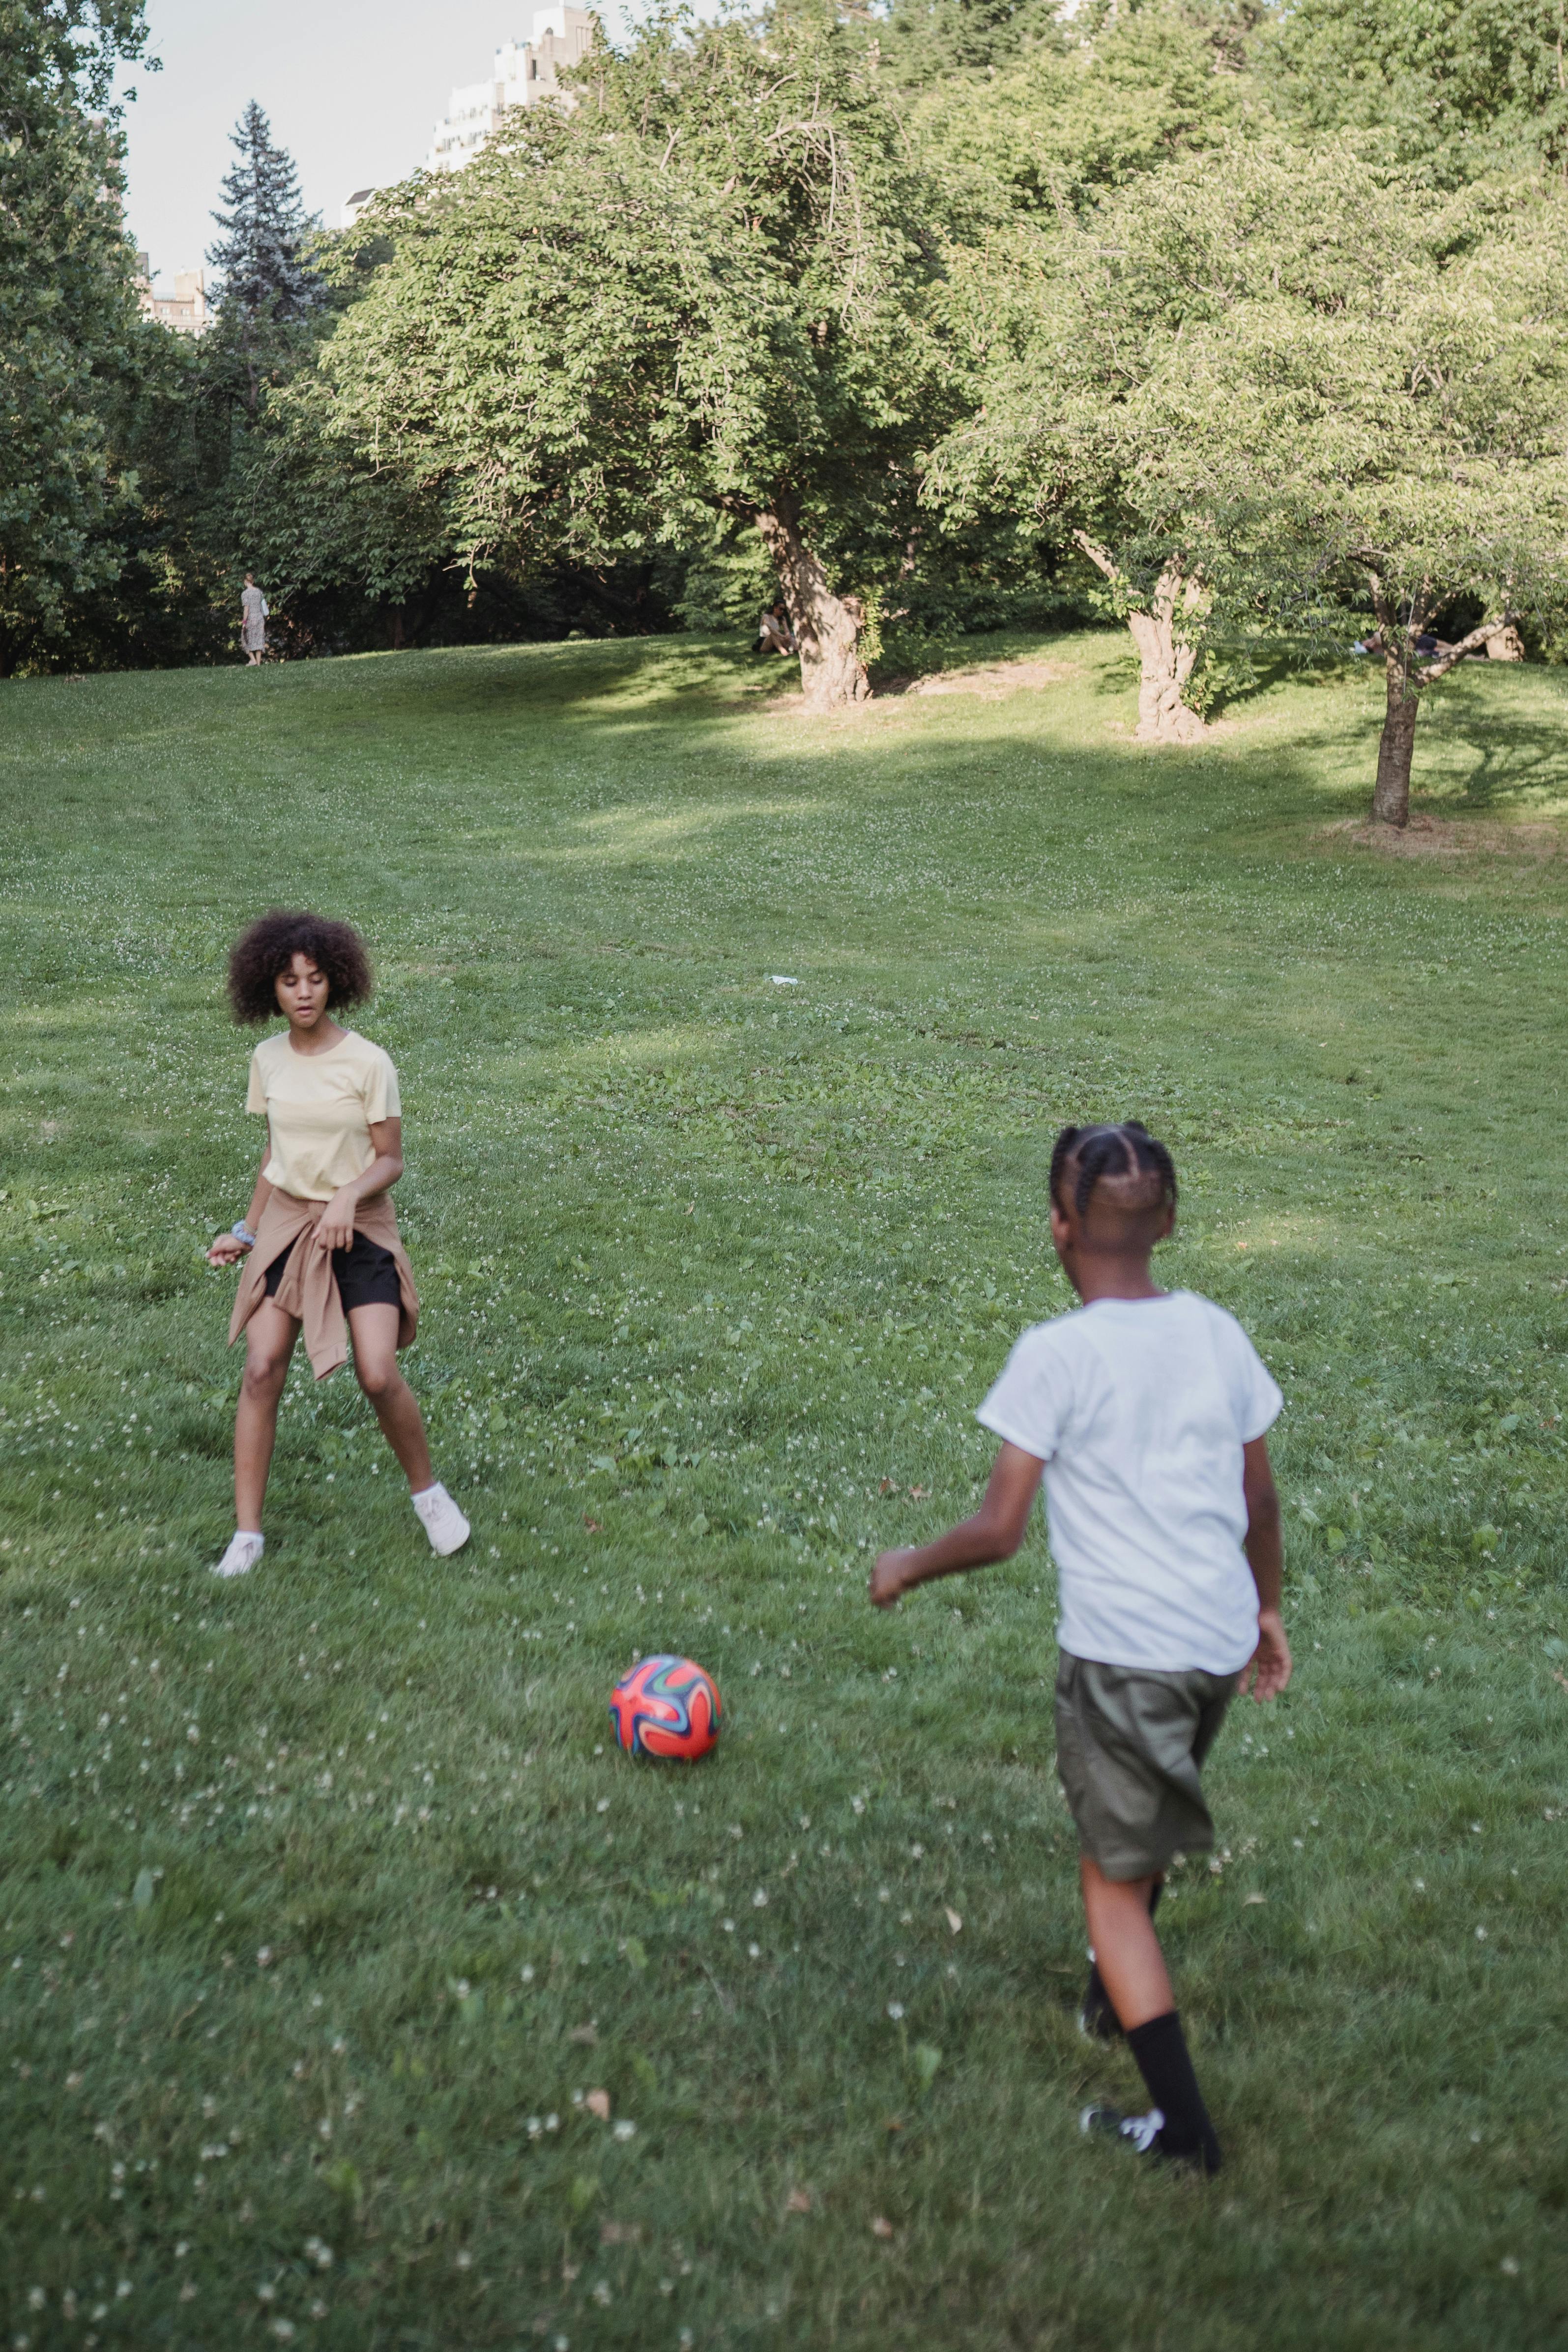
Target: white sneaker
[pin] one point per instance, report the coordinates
(241, 1556)
(444, 1523)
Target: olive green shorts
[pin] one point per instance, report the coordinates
(1130, 1744)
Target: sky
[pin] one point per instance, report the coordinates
(353, 89)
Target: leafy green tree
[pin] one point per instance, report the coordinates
(1273, 386)
(1116, 93)
(927, 41)
(315, 523)
(712, 290)
(1457, 86)
(70, 334)
(269, 294)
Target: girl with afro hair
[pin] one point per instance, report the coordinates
(320, 1241)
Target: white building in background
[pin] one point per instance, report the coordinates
(353, 206)
(522, 73)
(186, 310)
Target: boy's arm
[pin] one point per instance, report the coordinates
(1268, 1670)
(995, 1532)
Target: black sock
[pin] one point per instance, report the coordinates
(1098, 2016)
(1159, 2048)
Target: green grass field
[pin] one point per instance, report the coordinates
(328, 1902)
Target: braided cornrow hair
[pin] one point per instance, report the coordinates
(1124, 1150)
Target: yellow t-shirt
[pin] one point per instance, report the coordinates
(320, 1108)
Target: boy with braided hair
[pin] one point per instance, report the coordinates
(1144, 1411)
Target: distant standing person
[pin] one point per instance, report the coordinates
(253, 609)
(319, 1237)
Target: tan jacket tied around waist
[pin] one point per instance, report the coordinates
(307, 1289)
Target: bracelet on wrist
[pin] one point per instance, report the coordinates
(241, 1232)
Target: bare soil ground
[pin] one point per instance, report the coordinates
(1434, 837)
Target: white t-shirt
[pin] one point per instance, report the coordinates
(1139, 1407)
(320, 1109)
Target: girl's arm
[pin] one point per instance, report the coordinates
(1268, 1670)
(995, 1532)
(336, 1230)
(228, 1247)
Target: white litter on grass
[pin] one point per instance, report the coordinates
(783, 979)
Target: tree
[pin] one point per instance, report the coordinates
(929, 41)
(1460, 87)
(313, 522)
(1278, 386)
(711, 290)
(71, 336)
(1064, 366)
(1115, 93)
(268, 293)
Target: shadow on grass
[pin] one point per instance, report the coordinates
(1500, 740)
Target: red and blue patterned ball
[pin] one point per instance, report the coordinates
(665, 1707)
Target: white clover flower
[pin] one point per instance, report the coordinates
(895, 2010)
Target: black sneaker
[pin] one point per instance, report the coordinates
(1139, 2132)
(1145, 2135)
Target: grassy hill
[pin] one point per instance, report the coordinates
(328, 1900)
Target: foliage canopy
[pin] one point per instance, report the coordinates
(1293, 380)
(712, 289)
(71, 346)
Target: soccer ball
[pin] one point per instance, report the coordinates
(665, 1707)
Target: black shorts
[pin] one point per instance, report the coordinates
(366, 1274)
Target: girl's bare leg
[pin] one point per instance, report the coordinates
(270, 1337)
(1126, 1948)
(373, 1330)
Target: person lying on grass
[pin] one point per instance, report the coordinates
(1145, 1411)
(320, 1237)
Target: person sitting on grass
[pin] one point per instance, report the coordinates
(1145, 1409)
(320, 1235)
(774, 634)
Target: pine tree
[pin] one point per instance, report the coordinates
(267, 291)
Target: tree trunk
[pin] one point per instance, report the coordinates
(827, 627)
(1507, 645)
(1390, 794)
(1164, 662)
(1165, 667)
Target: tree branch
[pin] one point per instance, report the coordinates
(1096, 555)
(1477, 638)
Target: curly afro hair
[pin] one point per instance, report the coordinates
(270, 946)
